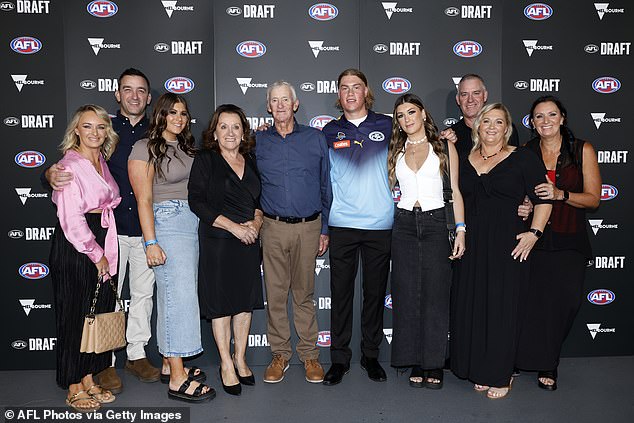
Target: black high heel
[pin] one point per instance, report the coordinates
(551, 374)
(245, 380)
(231, 390)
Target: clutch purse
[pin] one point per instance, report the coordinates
(103, 331)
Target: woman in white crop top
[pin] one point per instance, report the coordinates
(421, 255)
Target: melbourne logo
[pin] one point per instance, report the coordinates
(29, 304)
(388, 335)
(467, 48)
(320, 121)
(595, 328)
(320, 264)
(597, 224)
(251, 49)
(102, 9)
(318, 46)
(531, 46)
(387, 302)
(170, 6)
(602, 9)
(599, 118)
(179, 85)
(323, 338)
(30, 159)
(97, 44)
(25, 194)
(33, 270)
(390, 8)
(26, 45)
(538, 11)
(323, 12)
(396, 85)
(20, 81)
(601, 297)
(608, 192)
(245, 84)
(606, 85)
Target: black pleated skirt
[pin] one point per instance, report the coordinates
(74, 278)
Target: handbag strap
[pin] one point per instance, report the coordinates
(447, 192)
(94, 299)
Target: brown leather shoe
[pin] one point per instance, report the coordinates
(143, 369)
(275, 372)
(109, 379)
(314, 371)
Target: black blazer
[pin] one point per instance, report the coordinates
(206, 188)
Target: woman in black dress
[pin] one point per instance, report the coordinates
(558, 265)
(224, 191)
(485, 296)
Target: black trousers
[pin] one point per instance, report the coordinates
(346, 245)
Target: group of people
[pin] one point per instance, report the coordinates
(199, 220)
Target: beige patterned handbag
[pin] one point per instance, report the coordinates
(103, 331)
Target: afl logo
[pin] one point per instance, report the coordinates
(234, 11)
(6, 6)
(161, 47)
(467, 48)
(450, 121)
(601, 297)
(179, 85)
(452, 11)
(606, 85)
(526, 121)
(15, 234)
(19, 344)
(323, 11)
(380, 48)
(11, 121)
(591, 48)
(30, 159)
(538, 11)
(87, 84)
(320, 121)
(102, 8)
(26, 45)
(323, 338)
(307, 86)
(521, 85)
(251, 49)
(608, 192)
(33, 270)
(396, 85)
(376, 136)
(388, 301)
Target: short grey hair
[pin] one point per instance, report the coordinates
(281, 83)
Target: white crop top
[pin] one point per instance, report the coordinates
(424, 186)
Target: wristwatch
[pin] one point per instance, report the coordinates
(566, 196)
(536, 232)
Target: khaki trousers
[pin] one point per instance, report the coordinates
(289, 252)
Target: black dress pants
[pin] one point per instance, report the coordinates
(345, 246)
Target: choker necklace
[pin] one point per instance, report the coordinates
(416, 142)
(491, 155)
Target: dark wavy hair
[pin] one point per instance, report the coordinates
(157, 145)
(397, 143)
(247, 143)
(369, 99)
(569, 144)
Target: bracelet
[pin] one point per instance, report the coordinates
(150, 242)
(460, 224)
(461, 228)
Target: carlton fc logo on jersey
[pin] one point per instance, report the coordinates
(376, 136)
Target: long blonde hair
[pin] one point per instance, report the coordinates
(71, 139)
(397, 143)
(478, 120)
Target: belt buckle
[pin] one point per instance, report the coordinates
(293, 220)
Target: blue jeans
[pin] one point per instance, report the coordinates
(178, 315)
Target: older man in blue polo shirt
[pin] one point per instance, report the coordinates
(296, 197)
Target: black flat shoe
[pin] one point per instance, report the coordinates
(246, 380)
(374, 369)
(336, 373)
(191, 375)
(433, 374)
(231, 390)
(550, 375)
(417, 371)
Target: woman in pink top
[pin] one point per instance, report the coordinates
(84, 250)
